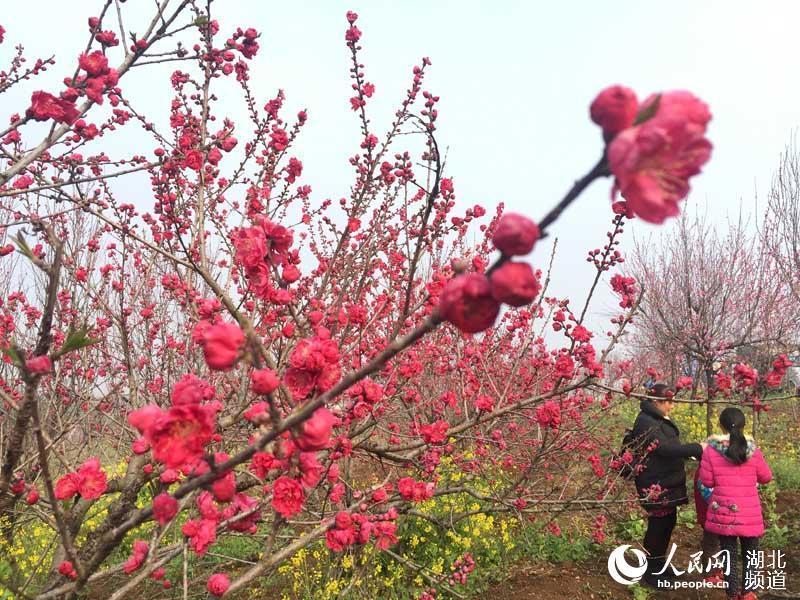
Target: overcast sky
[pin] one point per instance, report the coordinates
(515, 81)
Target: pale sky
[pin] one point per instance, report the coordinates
(515, 81)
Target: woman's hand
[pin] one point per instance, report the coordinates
(704, 445)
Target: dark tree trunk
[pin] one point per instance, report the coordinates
(710, 389)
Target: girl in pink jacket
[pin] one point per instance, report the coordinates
(732, 466)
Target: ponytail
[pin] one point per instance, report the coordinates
(732, 421)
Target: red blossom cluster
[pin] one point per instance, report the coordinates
(261, 250)
(67, 569)
(653, 147)
(313, 366)
(89, 482)
(240, 512)
(45, 106)
(626, 288)
(97, 81)
(415, 491)
(365, 397)
(39, 364)
(245, 42)
(549, 415)
(287, 496)
(177, 436)
(165, 507)
(221, 343)
(598, 529)
(18, 487)
(137, 557)
(472, 301)
(780, 366)
(218, 584)
(462, 567)
(744, 375)
(723, 382)
(435, 433)
(597, 465)
(350, 529)
(315, 433)
(484, 403)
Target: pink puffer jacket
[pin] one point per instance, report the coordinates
(734, 507)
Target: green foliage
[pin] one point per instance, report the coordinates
(76, 339)
(29, 551)
(633, 528)
(687, 517)
(11, 352)
(786, 472)
(24, 248)
(5, 574)
(543, 545)
(648, 112)
(639, 592)
(776, 534)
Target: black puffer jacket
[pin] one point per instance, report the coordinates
(663, 466)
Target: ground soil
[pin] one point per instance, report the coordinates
(590, 580)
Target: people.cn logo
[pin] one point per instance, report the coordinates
(623, 572)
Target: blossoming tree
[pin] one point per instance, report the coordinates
(235, 355)
(781, 228)
(711, 298)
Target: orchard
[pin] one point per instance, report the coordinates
(238, 387)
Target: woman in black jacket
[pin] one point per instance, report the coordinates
(661, 483)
